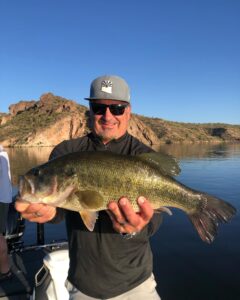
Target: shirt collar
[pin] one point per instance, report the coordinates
(97, 139)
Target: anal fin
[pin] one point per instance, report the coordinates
(91, 202)
(89, 218)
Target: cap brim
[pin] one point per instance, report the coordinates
(89, 99)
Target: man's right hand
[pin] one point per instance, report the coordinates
(35, 212)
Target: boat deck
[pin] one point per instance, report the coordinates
(26, 261)
(24, 266)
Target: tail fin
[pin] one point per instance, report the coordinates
(207, 219)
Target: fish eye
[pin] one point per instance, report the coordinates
(36, 172)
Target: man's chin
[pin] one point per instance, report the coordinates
(107, 137)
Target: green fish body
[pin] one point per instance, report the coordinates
(87, 181)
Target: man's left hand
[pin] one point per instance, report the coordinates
(125, 219)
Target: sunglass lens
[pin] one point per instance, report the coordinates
(98, 109)
(115, 109)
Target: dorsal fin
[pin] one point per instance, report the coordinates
(165, 162)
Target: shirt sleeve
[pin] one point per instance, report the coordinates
(0, 166)
(69, 146)
(59, 217)
(59, 150)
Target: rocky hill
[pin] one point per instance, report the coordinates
(51, 119)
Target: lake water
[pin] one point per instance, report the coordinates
(185, 267)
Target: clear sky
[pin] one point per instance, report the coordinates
(180, 58)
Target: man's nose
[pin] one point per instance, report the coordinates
(108, 114)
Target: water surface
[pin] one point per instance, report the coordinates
(185, 267)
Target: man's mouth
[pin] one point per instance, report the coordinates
(108, 125)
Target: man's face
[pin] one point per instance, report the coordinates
(107, 125)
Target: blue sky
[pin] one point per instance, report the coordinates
(180, 58)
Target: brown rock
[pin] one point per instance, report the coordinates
(21, 106)
(66, 128)
(142, 132)
(4, 118)
(50, 103)
(53, 119)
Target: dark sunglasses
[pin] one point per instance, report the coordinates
(115, 109)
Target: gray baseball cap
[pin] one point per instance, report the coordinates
(109, 87)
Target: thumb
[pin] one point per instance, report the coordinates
(21, 206)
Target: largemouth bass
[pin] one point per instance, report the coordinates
(87, 181)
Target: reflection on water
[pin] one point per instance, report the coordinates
(185, 268)
(201, 150)
(22, 159)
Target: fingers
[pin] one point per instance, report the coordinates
(125, 219)
(127, 210)
(146, 210)
(36, 212)
(116, 209)
(116, 216)
(119, 221)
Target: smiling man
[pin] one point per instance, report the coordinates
(109, 107)
(110, 119)
(115, 260)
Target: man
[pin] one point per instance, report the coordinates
(115, 260)
(5, 199)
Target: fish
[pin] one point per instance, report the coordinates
(87, 181)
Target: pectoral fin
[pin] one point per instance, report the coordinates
(90, 200)
(89, 218)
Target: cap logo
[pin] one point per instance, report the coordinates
(106, 86)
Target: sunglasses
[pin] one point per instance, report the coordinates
(115, 109)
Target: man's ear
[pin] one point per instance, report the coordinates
(129, 111)
(90, 118)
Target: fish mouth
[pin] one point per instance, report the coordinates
(28, 186)
(25, 186)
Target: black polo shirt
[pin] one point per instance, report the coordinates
(104, 264)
